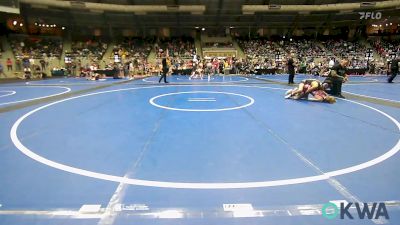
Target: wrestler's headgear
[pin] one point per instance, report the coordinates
(330, 99)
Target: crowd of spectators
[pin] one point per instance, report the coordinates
(303, 48)
(33, 54)
(130, 48)
(350, 50)
(387, 49)
(258, 48)
(36, 47)
(93, 49)
(311, 57)
(130, 55)
(260, 53)
(175, 47)
(180, 50)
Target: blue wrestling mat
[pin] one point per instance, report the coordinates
(229, 150)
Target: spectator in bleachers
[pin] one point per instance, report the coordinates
(9, 64)
(43, 64)
(2, 70)
(331, 63)
(18, 64)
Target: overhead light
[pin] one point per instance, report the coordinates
(21, 24)
(231, 27)
(380, 25)
(291, 39)
(63, 28)
(203, 29)
(390, 24)
(35, 24)
(40, 25)
(196, 27)
(283, 36)
(15, 22)
(54, 25)
(47, 25)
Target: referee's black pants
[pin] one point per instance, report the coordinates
(164, 75)
(392, 76)
(291, 78)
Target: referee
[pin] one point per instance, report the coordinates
(290, 65)
(394, 69)
(165, 70)
(337, 77)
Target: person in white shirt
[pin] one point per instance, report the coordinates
(32, 61)
(331, 63)
(131, 70)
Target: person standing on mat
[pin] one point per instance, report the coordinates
(290, 65)
(394, 69)
(337, 76)
(165, 70)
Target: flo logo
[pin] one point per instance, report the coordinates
(370, 15)
(364, 210)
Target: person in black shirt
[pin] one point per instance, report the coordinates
(165, 70)
(337, 76)
(394, 69)
(290, 65)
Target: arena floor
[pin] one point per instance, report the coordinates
(230, 150)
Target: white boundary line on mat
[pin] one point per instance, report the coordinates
(31, 99)
(185, 185)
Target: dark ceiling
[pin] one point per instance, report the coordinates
(218, 14)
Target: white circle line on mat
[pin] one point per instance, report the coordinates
(47, 96)
(152, 101)
(187, 185)
(9, 93)
(205, 80)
